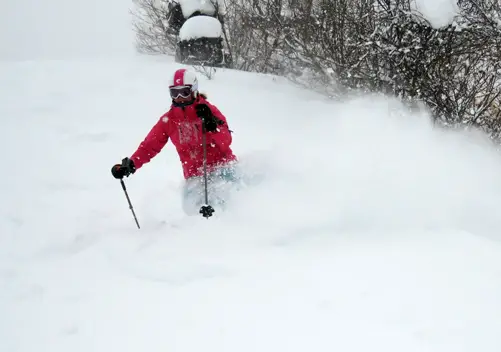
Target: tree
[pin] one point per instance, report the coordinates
(343, 46)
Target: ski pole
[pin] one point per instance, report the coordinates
(206, 210)
(128, 200)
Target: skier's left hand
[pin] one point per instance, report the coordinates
(209, 120)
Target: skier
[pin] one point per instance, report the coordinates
(190, 118)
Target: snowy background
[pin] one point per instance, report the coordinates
(368, 229)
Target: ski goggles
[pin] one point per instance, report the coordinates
(182, 91)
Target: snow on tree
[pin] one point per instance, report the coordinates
(199, 27)
(439, 13)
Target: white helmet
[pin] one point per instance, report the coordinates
(184, 77)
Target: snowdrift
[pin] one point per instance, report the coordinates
(367, 229)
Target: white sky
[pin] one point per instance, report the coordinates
(34, 29)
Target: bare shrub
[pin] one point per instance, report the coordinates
(155, 33)
(207, 71)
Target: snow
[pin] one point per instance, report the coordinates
(199, 27)
(439, 13)
(367, 229)
(206, 7)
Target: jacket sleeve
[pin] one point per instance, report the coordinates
(152, 144)
(222, 137)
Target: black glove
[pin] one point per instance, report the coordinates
(125, 169)
(209, 120)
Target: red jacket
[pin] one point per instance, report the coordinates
(184, 128)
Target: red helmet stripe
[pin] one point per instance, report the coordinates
(179, 77)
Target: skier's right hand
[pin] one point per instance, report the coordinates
(126, 168)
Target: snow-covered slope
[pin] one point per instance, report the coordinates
(368, 229)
